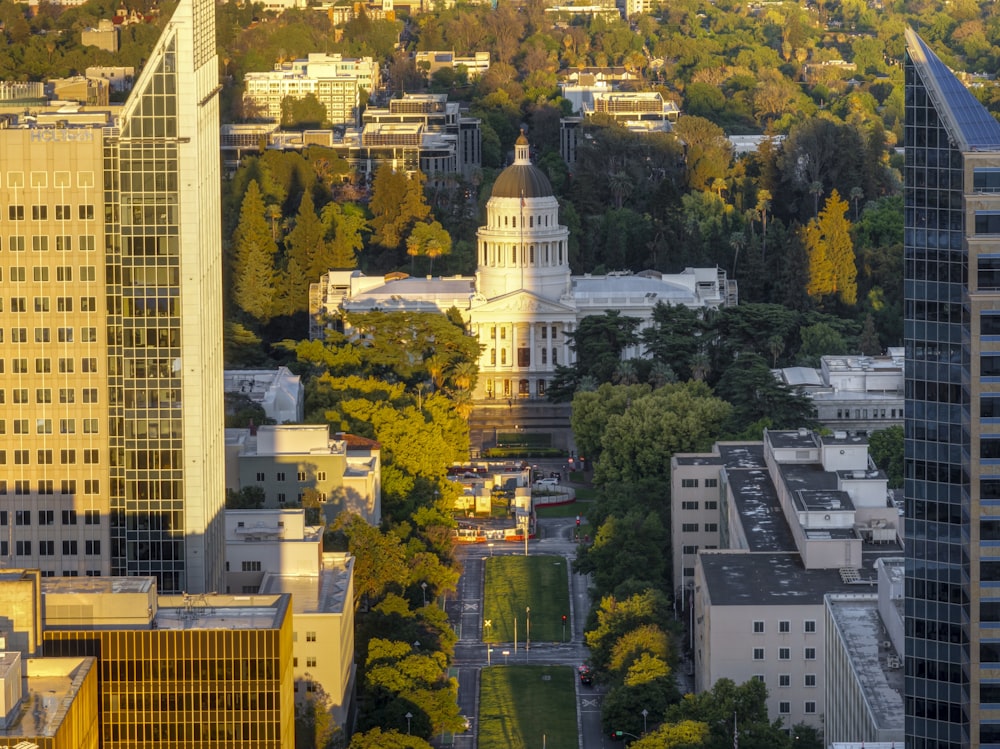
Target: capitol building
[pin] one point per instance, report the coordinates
(523, 303)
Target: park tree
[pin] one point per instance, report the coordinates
(397, 203)
(376, 738)
(886, 448)
(379, 559)
(246, 498)
(306, 254)
(674, 337)
(758, 400)
(314, 724)
(627, 553)
(591, 411)
(684, 734)
(728, 709)
(345, 224)
(253, 259)
(302, 113)
(428, 239)
(640, 442)
(707, 151)
(818, 340)
(833, 267)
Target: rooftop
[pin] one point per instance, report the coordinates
(738, 578)
(325, 593)
(967, 121)
(220, 612)
(857, 619)
(92, 585)
(50, 684)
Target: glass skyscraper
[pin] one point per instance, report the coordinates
(952, 438)
(111, 428)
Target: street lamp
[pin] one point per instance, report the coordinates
(505, 654)
(491, 549)
(645, 712)
(408, 717)
(423, 587)
(527, 637)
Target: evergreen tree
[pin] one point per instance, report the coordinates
(832, 265)
(397, 203)
(869, 342)
(253, 259)
(344, 225)
(306, 252)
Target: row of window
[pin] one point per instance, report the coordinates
(63, 212)
(693, 483)
(48, 549)
(876, 413)
(5, 551)
(44, 304)
(785, 626)
(48, 517)
(785, 654)
(786, 707)
(22, 487)
(709, 505)
(66, 457)
(43, 365)
(543, 330)
(19, 274)
(693, 527)
(300, 476)
(44, 335)
(785, 680)
(40, 243)
(44, 395)
(523, 357)
(310, 662)
(44, 426)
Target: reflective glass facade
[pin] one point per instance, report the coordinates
(162, 187)
(192, 688)
(949, 430)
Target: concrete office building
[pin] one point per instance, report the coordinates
(113, 455)
(864, 665)
(290, 460)
(762, 532)
(952, 445)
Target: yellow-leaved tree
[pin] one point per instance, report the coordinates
(833, 268)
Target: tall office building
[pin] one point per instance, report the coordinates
(952, 444)
(111, 432)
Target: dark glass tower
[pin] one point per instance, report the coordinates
(952, 484)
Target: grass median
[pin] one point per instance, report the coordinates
(513, 584)
(518, 705)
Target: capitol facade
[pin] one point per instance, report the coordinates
(523, 303)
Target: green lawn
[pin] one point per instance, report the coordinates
(515, 583)
(518, 705)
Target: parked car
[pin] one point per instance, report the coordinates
(547, 482)
(586, 677)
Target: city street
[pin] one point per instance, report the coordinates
(465, 613)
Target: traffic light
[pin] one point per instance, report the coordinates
(564, 619)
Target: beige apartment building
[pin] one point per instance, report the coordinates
(54, 381)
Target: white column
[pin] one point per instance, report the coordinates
(531, 344)
(513, 348)
(564, 333)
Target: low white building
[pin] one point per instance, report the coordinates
(289, 461)
(279, 392)
(857, 394)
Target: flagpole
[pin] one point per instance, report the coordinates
(736, 733)
(521, 248)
